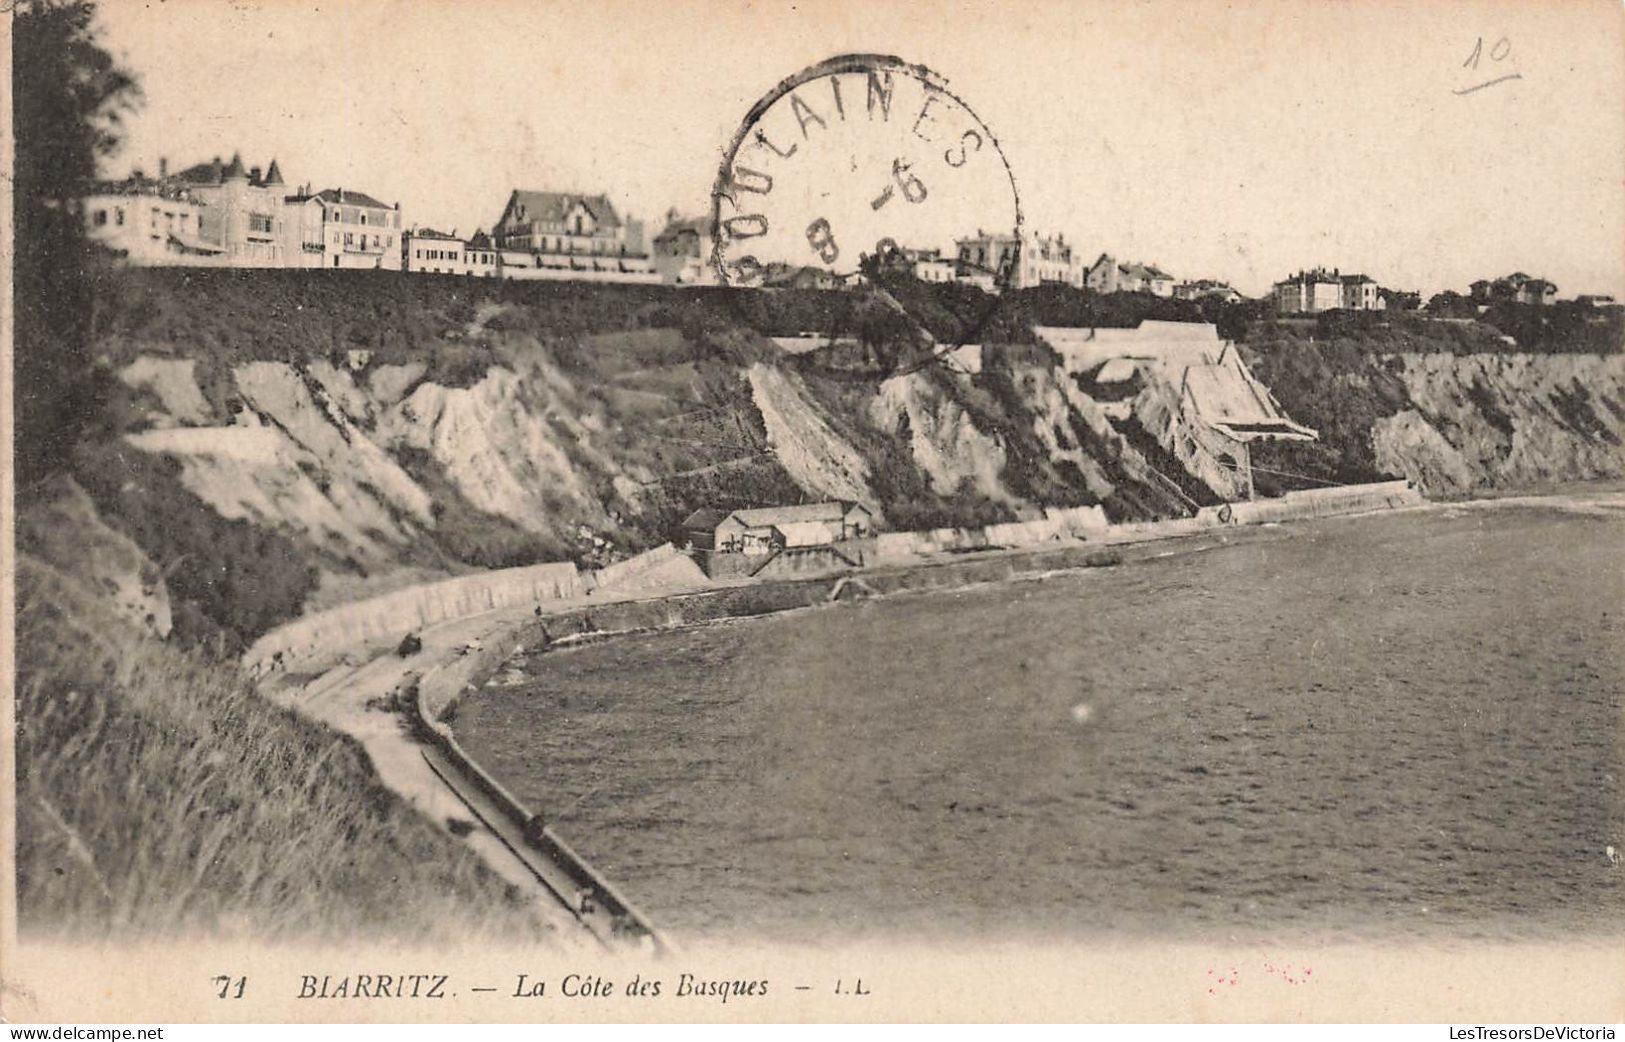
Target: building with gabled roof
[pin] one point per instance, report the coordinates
(1106, 275)
(1316, 290)
(1135, 277)
(572, 235)
(215, 213)
(760, 530)
(243, 210)
(344, 228)
(681, 253)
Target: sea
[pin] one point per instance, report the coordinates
(1402, 726)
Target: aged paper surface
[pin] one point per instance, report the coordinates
(915, 862)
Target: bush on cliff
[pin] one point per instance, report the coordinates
(1337, 387)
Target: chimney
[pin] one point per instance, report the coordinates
(254, 174)
(163, 166)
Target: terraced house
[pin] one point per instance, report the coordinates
(571, 235)
(226, 214)
(1106, 275)
(343, 228)
(1309, 292)
(242, 210)
(148, 221)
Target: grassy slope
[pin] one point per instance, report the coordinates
(157, 796)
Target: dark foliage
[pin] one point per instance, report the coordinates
(1566, 326)
(1341, 388)
(68, 96)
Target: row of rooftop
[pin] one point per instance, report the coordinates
(228, 214)
(225, 213)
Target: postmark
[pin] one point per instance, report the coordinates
(859, 155)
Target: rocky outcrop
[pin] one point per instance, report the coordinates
(579, 446)
(811, 452)
(946, 443)
(1505, 420)
(503, 457)
(296, 458)
(173, 383)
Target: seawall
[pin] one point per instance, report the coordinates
(311, 640)
(628, 595)
(597, 902)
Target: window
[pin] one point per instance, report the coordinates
(118, 215)
(363, 217)
(349, 239)
(99, 218)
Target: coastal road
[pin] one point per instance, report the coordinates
(341, 696)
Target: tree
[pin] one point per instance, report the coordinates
(69, 97)
(1450, 304)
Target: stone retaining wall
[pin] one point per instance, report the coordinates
(365, 623)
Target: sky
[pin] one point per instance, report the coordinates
(1238, 141)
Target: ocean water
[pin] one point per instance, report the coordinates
(1397, 726)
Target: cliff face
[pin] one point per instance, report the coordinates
(943, 439)
(1505, 421)
(339, 445)
(1451, 422)
(817, 458)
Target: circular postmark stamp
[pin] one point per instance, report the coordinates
(864, 155)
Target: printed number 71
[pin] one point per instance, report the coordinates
(230, 987)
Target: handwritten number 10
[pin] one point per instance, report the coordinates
(1498, 53)
(1502, 48)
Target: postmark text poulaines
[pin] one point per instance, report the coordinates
(857, 155)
